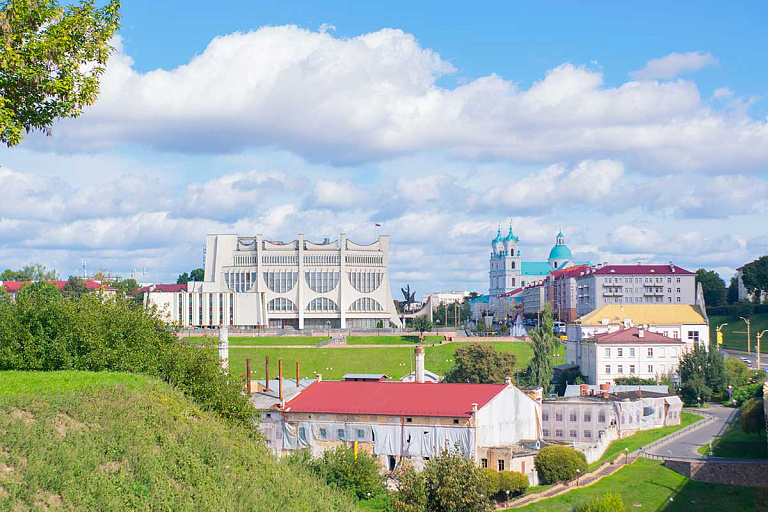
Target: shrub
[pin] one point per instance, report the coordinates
(411, 495)
(512, 481)
(491, 481)
(558, 463)
(752, 417)
(742, 308)
(361, 476)
(694, 389)
(744, 393)
(736, 372)
(605, 503)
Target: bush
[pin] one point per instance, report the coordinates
(694, 389)
(742, 308)
(491, 481)
(634, 381)
(736, 372)
(512, 481)
(559, 463)
(604, 503)
(361, 476)
(744, 393)
(752, 417)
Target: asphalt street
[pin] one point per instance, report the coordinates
(687, 444)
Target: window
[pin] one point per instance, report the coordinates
(572, 433)
(650, 351)
(587, 434)
(678, 299)
(678, 279)
(608, 369)
(409, 420)
(484, 463)
(669, 290)
(365, 304)
(619, 352)
(545, 433)
(631, 369)
(631, 352)
(279, 281)
(620, 369)
(302, 434)
(693, 336)
(322, 281)
(607, 352)
(280, 304)
(366, 281)
(360, 433)
(559, 416)
(322, 304)
(587, 416)
(678, 290)
(545, 415)
(572, 416)
(669, 279)
(601, 416)
(501, 464)
(558, 433)
(650, 368)
(455, 422)
(323, 433)
(340, 433)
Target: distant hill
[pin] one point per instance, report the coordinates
(114, 441)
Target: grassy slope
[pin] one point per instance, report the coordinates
(275, 340)
(394, 361)
(735, 333)
(107, 441)
(392, 340)
(736, 444)
(648, 485)
(643, 438)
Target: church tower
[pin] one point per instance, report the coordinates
(560, 256)
(505, 264)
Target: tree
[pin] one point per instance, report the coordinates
(633, 381)
(126, 285)
(197, 275)
(706, 365)
(33, 272)
(359, 474)
(183, 278)
(540, 371)
(742, 308)
(694, 390)
(559, 463)
(713, 286)
(754, 275)
(733, 291)
(479, 363)
(610, 502)
(752, 417)
(736, 372)
(421, 323)
(512, 481)
(448, 483)
(51, 60)
(75, 287)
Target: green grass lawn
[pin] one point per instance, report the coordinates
(646, 485)
(392, 340)
(394, 361)
(643, 438)
(275, 340)
(736, 444)
(119, 442)
(735, 333)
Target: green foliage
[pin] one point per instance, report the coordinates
(491, 481)
(448, 483)
(122, 442)
(606, 503)
(197, 274)
(752, 417)
(736, 372)
(742, 308)
(51, 60)
(733, 291)
(634, 381)
(709, 365)
(754, 275)
(695, 389)
(513, 481)
(504, 329)
(559, 463)
(183, 278)
(125, 285)
(713, 287)
(540, 370)
(33, 272)
(359, 476)
(43, 331)
(744, 393)
(479, 363)
(421, 323)
(75, 287)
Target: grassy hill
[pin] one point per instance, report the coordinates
(735, 333)
(114, 441)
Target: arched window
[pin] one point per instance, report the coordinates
(322, 281)
(365, 281)
(281, 281)
(513, 264)
(280, 304)
(365, 304)
(322, 304)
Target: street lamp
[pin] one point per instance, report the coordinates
(578, 472)
(328, 325)
(758, 348)
(746, 320)
(626, 454)
(507, 492)
(717, 341)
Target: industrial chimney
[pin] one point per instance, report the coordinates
(419, 355)
(224, 347)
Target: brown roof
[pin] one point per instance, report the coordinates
(632, 335)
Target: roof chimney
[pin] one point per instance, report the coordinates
(266, 376)
(280, 379)
(508, 381)
(319, 377)
(641, 333)
(419, 356)
(474, 408)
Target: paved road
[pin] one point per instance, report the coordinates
(738, 354)
(687, 444)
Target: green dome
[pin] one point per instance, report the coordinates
(560, 252)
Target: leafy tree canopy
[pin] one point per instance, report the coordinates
(754, 275)
(183, 278)
(706, 365)
(32, 272)
(480, 363)
(75, 287)
(421, 323)
(51, 60)
(197, 274)
(713, 286)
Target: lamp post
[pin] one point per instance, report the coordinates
(578, 473)
(507, 493)
(746, 320)
(719, 334)
(758, 347)
(328, 325)
(626, 455)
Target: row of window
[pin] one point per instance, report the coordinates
(620, 369)
(365, 260)
(638, 279)
(628, 300)
(650, 351)
(621, 289)
(366, 282)
(323, 304)
(573, 415)
(320, 281)
(572, 433)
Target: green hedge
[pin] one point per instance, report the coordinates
(559, 463)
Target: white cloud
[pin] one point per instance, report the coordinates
(337, 195)
(376, 95)
(674, 65)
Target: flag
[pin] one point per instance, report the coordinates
(719, 338)
(377, 224)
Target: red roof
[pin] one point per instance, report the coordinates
(161, 288)
(393, 398)
(642, 269)
(574, 271)
(632, 335)
(15, 286)
(511, 293)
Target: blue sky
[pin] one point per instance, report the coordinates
(639, 129)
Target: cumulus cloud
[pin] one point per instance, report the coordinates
(674, 65)
(338, 195)
(377, 95)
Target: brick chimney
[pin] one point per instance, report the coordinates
(224, 347)
(419, 356)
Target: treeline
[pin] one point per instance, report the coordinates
(45, 330)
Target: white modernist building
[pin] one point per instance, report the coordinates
(254, 282)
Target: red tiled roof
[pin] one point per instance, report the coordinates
(631, 335)
(393, 398)
(15, 286)
(642, 269)
(574, 271)
(513, 292)
(161, 288)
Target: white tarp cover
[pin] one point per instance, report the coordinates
(643, 413)
(508, 418)
(410, 440)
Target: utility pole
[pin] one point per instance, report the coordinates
(746, 320)
(758, 348)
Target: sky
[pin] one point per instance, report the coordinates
(641, 131)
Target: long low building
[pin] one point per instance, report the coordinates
(254, 282)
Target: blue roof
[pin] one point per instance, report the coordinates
(511, 236)
(560, 252)
(535, 268)
(482, 299)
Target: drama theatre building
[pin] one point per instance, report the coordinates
(254, 282)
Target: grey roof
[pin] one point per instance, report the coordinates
(573, 389)
(269, 399)
(364, 376)
(428, 374)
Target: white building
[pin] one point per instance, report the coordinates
(534, 298)
(743, 293)
(251, 281)
(440, 298)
